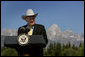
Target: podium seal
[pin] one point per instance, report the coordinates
(23, 39)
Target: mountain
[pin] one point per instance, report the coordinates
(9, 32)
(53, 31)
(55, 34)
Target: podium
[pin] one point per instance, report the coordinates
(34, 41)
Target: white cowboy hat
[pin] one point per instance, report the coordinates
(29, 13)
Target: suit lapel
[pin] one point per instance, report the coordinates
(34, 30)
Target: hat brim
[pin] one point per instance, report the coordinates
(24, 16)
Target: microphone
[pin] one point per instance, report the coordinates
(27, 29)
(24, 29)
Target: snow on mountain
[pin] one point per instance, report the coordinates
(53, 31)
(55, 34)
(9, 32)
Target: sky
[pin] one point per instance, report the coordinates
(66, 14)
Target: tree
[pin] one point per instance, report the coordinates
(50, 50)
(68, 45)
(55, 49)
(73, 46)
(76, 48)
(80, 51)
(63, 47)
(69, 52)
(44, 52)
(81, 44)
(58, 49)
(8, 52)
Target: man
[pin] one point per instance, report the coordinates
(35, 29)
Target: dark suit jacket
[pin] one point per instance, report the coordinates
(38, 30)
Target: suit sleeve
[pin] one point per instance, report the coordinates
(44, 35)
(21, 30)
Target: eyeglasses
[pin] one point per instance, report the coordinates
(30, 18)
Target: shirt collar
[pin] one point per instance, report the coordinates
(29, 26)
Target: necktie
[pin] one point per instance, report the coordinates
(30, 32)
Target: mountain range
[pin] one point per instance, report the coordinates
(54, 34)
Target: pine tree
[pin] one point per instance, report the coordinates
(73, 47)
(80, 45)
(50, 50)
(58, 49)
(63, 47)
(69, 45)
(44, 52)
(80, 51)
(76, 48)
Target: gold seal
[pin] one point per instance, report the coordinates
(23, 39)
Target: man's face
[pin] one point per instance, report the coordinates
(30, 20)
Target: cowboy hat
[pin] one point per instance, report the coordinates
(29, 13)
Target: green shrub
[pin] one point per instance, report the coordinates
(69, 52)
(8, 52)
